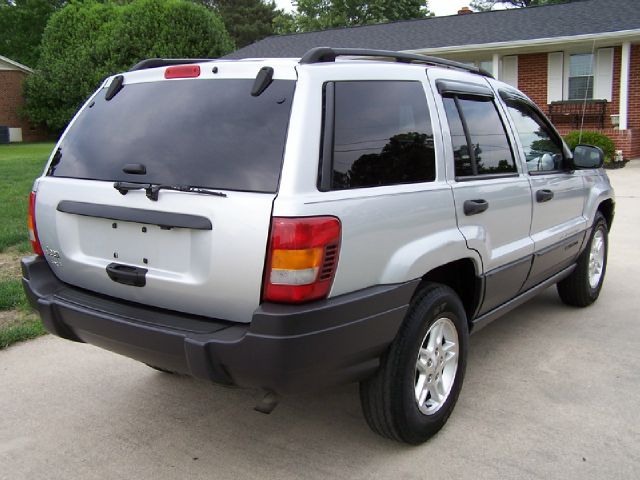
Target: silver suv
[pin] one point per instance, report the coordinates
(287, 224)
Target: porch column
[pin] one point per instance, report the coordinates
(496, 66)
(624, 85)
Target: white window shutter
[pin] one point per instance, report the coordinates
(603, 81)
(555, 79)
(510, 70)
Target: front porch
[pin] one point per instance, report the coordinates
(598, 74)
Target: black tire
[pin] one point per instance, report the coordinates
(160, 369)
(388, 399)
(575, 290)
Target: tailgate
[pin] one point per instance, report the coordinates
(202, 254)
(185, 251)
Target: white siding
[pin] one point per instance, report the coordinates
(15, 135)
(625, 65)
(510, 70)
(555, 79)
(603, 82)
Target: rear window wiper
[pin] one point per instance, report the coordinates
(152, 190)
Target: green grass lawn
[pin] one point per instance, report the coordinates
(20, 164)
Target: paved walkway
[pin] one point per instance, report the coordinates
(551, 392)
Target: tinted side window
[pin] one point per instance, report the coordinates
(461, 154)
(542, 149)
(480, 143)
(382, 134)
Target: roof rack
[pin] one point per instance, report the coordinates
(164, 62)
(328, 54)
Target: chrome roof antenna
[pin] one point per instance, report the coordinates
(586, 90)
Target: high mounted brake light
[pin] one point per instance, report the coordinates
(182, 71)
(31, 225)
(302, 259)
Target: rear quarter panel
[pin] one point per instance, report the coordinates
(390, 234)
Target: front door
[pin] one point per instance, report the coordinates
(557, 226)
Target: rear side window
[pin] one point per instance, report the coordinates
(381, 135)
(480, 143)
(204, 133)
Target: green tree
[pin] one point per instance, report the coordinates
(247, 21)
(313, 15)
(165, 29)
(284, 23)
(486, 5)
(84, 42)
(21, 25)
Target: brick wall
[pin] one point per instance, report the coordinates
(634, 88)
(11, 101)
(626, 140)
(613, 108)
(532, 80)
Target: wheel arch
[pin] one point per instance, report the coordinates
(462, 277)
(607, 208)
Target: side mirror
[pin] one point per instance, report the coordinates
(587, 156)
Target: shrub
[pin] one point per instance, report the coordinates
(86, 41)
(592, 138)
(71, 65)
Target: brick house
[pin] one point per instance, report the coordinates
(571, 58)
(12, 75)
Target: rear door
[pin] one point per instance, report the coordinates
(197, 252)
(558, 194)
(492, 196)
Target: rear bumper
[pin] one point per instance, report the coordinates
(284, 349)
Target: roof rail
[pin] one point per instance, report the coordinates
(328, 54)
(164, 62)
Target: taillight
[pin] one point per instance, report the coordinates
(182, 71)
(31, 225)
(302, 259)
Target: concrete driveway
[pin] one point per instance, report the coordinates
(550, 392)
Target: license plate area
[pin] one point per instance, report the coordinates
(150, 246)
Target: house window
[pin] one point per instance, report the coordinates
(581, 76)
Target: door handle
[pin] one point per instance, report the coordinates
(473, 207)
(127, 274)
(544, 196)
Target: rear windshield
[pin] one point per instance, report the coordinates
(203, 133)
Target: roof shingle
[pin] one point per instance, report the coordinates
(569, 19)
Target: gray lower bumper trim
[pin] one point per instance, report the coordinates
(490, 316)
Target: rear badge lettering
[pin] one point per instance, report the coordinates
(54, 256)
